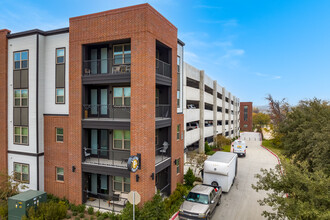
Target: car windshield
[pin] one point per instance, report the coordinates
(199, 198)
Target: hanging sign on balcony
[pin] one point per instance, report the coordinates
(133, 163)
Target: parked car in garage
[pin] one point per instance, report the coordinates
(192, 125)
(200, 202)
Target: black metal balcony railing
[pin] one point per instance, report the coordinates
(105, 157)
(106, 111)
(107, 66)
(105, 201)
(162, 153)
(163, 68)
(163, 111)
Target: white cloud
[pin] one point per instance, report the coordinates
(268, 76)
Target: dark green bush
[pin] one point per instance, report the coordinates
(98, 213)
(74, 213)
(91, 218)
(90, 210)
(127, 212)
(76, 218)
(100, 217)
(81, 208)
(207, 147)
(82, 215)
(173, 202)
(73, 208)
(189, 178)
(105, 215)
(49, 210)
(68, 216)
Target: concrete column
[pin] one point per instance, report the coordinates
(223, 111)
(202, 109)
(229, 115)
(215, 109)
(235, 117)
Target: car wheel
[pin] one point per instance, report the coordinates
(214, 184)
(219, 201)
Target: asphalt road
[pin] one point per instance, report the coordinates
(241, 201)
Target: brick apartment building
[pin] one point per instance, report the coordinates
(81, 100)
(246, 123)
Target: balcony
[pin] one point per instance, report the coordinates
(163, 68)
(114, 203)
(163, 111)
(105, 157)
(106, 66)
(162, 154)
(106, 112)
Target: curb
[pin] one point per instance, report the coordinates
(174, 216)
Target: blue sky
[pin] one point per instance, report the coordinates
(251, 47)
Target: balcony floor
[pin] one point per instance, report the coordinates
(160, 158)
(106, 162)
(104, 205)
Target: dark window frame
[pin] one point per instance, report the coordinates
(20, 61)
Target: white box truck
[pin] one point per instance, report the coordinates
(220, 170)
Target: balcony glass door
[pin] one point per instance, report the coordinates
(99, 143)
(104, 143)
(104, 60)
(94, 142)
(99, 102)
(93, 61)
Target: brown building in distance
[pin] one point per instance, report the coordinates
(81, 100)
(246, 116)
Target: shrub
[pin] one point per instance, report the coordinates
(105, 215)
(3, 210)
(127, 212)
(74, 213)
(49, 210)
(154, 209)
(210, 152)
(68, 216)
(76, 218)
(207, 147)
(90, 210)
(82, 215)
(100, 217)
(189, 178)
(173, 202)
(98, 213)
(74, 208)
(221, 141)
(91, 218)
(81, 208)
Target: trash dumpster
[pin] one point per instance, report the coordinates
(18, 205)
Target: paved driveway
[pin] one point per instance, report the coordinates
(241, 201)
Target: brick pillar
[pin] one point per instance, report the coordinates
(3, 100)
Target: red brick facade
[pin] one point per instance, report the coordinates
(3, 100)
(57, 155)
(246, 125)
(143, 25)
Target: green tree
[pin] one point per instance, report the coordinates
(260, 120)
(305, 134)
(308, 192)
(221, 141)
(189, 178)
(154, 209)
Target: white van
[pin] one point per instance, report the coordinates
(220, 170)
(239, 147)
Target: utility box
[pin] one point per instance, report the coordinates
(19, 205)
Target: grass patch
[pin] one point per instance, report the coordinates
(269, 144)
(226, 148)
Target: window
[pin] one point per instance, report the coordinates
(60, 55)
(178, 98)
(122, 54)
(177, 163)
(121, 184)
(245, 126)
(21, 60)
(122, 96)
(21, 173)
(121, 139)
(245, 113)
(59, 134)
(60, 96)
(60, 174)
(178, 132)
(157, 135)
(21, 135)
(178, 63)
(21, 98)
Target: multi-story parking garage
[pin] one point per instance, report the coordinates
(209, 109)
